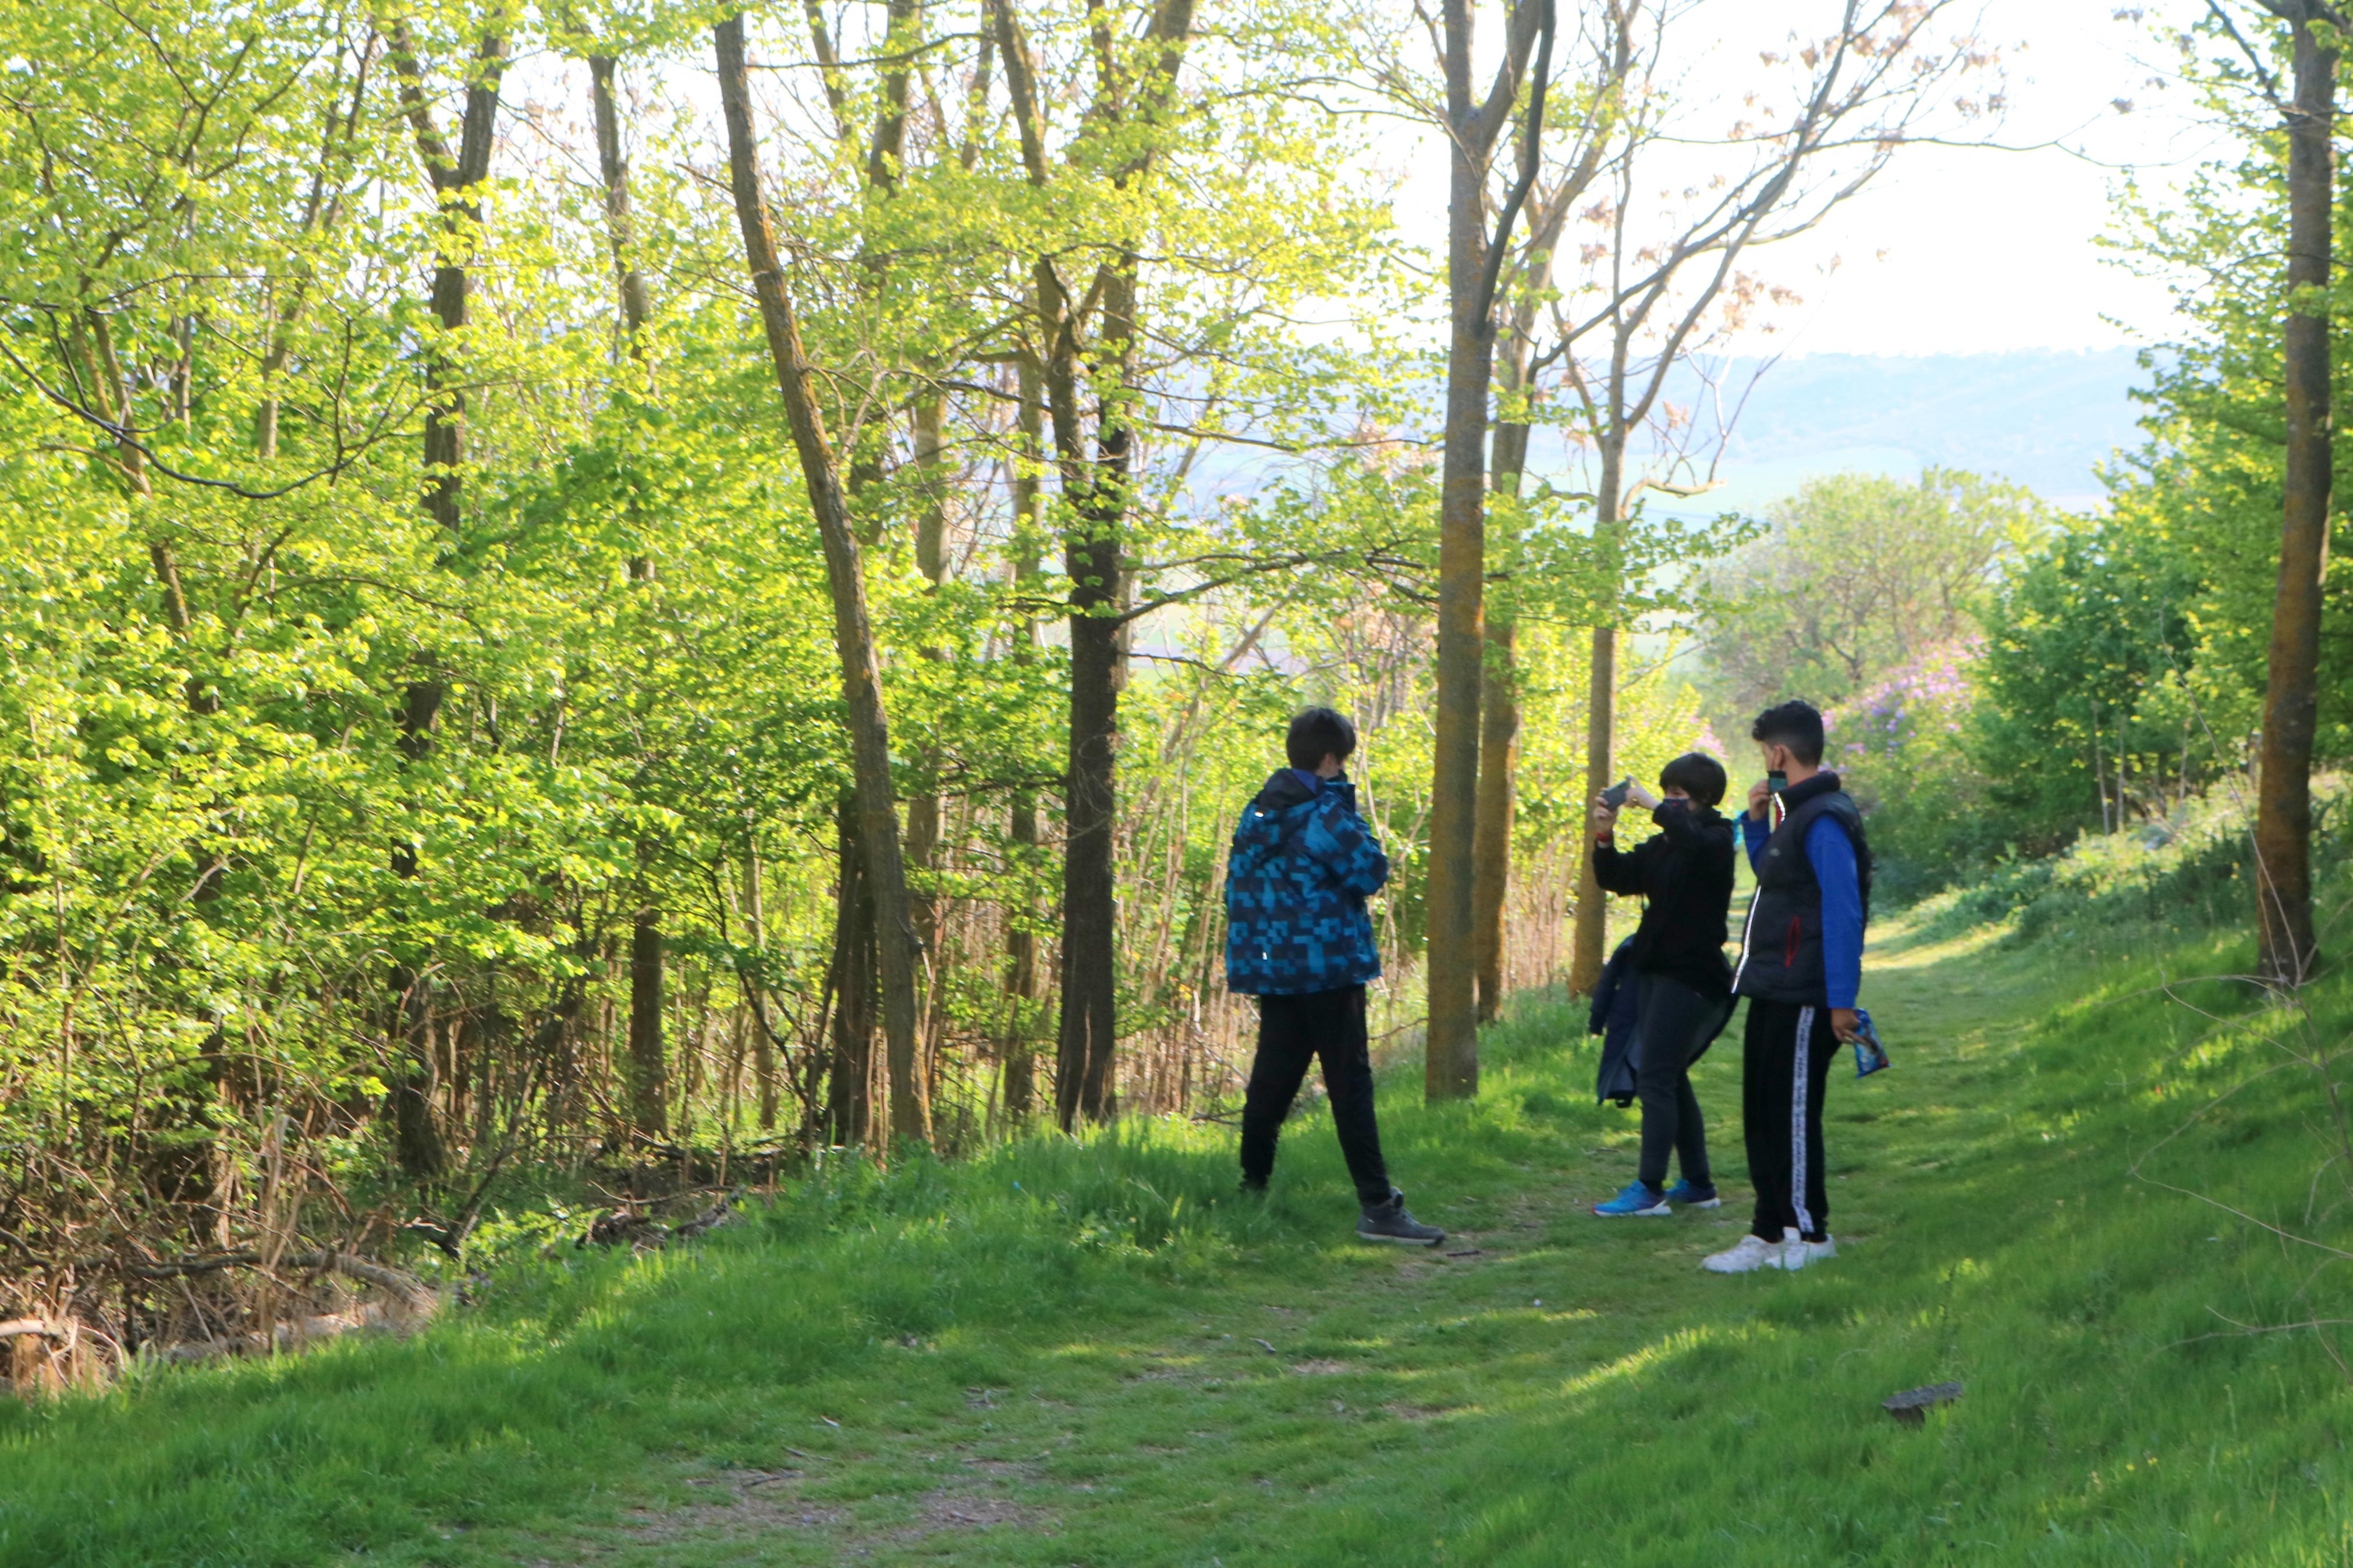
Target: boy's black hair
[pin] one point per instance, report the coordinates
(1697, 774)
(1317, 733)
(1796, 724)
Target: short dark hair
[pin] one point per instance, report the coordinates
(1317, 733)
(1796, 724)
(1697, 774)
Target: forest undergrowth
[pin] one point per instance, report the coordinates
(1092, 1352)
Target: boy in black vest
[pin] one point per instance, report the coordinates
(1801, 966)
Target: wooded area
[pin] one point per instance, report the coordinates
(610, 595)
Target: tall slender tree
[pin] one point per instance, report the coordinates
(647, 1056)
(2291, 688)
(1599, 81)
(861, 675)
(456, 178)
(1474, 260)
(1023, 979)
(1132, 95)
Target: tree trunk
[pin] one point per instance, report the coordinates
(416, 1139)
(1451, 1061)
(931, 559)
(1022, 987)
(1499, 750)
(1087, 1038)
(455, 178)
(2290, 697)
(1095, 491)
(636, 304)
(320, 212)
(1083, 1085)
(1499, 705)
(763, 1044)
(850, 1091)
(1021, 976)
(1590, 934)
(416, 1131)
(649, 1072)
(897, 943)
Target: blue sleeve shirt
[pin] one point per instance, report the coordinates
(1831, 853)
(1754, 832)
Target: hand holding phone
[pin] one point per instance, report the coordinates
(1614, 797)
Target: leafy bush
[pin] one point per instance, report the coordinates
(2187, 871)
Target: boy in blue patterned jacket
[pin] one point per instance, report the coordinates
(1298, 939)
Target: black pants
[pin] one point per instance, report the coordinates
(1293, 1031)
(1676, 1025)
(1785, 1062)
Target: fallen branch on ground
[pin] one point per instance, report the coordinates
(644, 1233)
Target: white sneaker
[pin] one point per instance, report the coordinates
(1745, 1256)
(1797, 1251)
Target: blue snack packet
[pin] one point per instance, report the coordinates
(1870, 1056)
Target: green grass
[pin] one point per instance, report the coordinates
(1096, 1354)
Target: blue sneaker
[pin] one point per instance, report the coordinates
(1636, 1199)
(1684, 1196)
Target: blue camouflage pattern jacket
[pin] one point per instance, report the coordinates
(1304, 863)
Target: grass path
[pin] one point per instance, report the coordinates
(1099, 1356)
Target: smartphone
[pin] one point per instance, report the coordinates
(1776, 780)
(1615, 796)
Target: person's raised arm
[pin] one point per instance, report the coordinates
(1756, 823)
(1617, 870)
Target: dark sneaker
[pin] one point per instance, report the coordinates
(1389, 1222)
(1683, 1194)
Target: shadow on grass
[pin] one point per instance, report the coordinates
(1168, 1372)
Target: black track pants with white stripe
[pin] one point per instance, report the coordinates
(1785, 1063)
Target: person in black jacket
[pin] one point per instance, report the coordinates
(1684, 876)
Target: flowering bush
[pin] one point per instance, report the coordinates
(1903, 746)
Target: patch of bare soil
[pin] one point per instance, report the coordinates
(737, 1504)
(1163, 1366)
(743, 1506)
(945, 1510)
(1405, 1412)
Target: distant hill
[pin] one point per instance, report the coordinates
(2041, 418)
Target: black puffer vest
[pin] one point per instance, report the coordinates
(1781, 944)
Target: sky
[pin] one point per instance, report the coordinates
(2002, 247)
(1954, 249)
(1984, 250)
